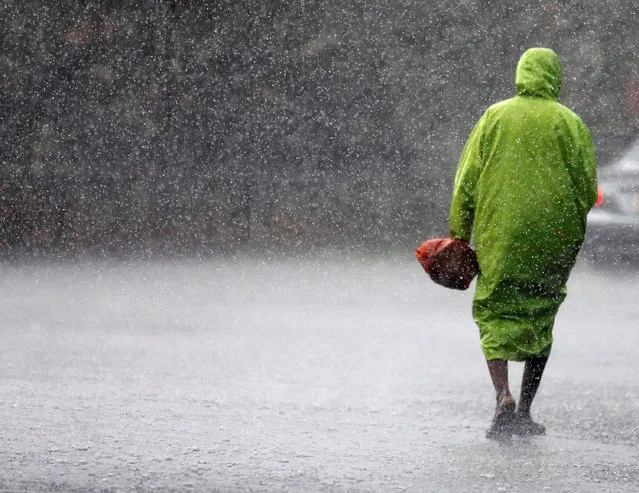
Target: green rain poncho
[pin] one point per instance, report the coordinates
(525, 183)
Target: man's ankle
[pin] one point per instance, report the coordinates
(523, 413)
(503, 394)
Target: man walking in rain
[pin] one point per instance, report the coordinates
(525, 183)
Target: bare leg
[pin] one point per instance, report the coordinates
(498, 369)
(533, 371)
(501, 426)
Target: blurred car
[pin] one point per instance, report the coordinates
(613, 224)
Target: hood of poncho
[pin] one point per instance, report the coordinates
(539, 74)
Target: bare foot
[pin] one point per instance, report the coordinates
(501, 427)
(525, 426)
(505, 403)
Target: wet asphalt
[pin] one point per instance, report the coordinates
(330, 373)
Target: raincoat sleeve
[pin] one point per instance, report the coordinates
(462, 209)
(584, 172)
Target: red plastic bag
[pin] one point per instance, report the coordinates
(449, 262)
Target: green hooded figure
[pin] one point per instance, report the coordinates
(525, 183)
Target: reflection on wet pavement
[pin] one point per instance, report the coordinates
(330, 374)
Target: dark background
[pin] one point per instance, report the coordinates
(201, 127)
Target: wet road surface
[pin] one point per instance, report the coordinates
(326, 374)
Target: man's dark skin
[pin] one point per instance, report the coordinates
(507, 412)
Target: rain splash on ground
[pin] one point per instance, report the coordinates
(327, 374)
